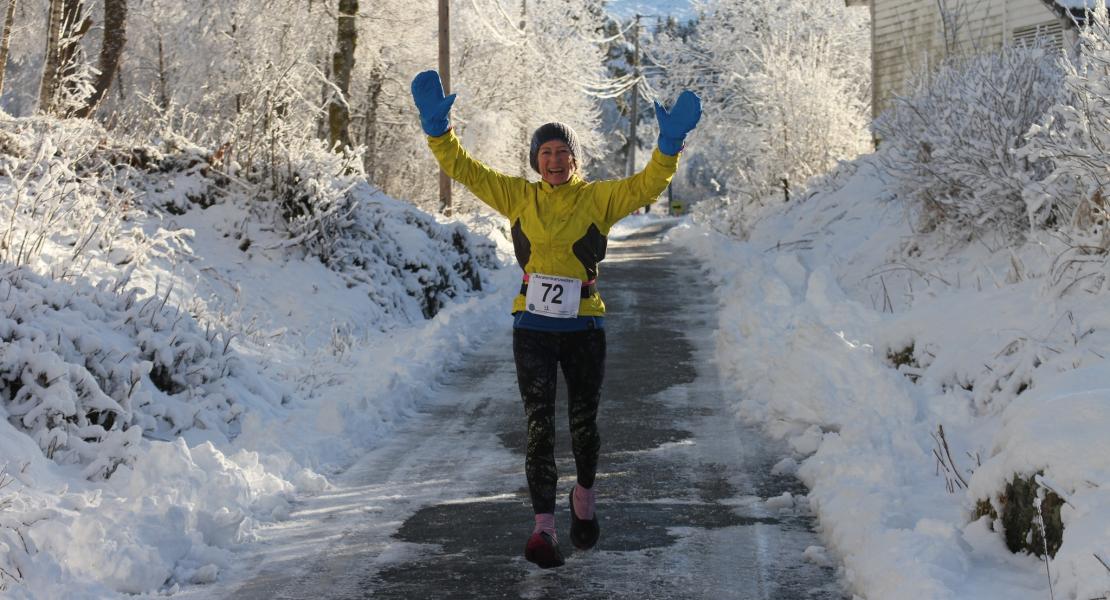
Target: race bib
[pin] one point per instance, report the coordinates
(553, 296)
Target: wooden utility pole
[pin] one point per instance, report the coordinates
(526, 139)
(633, 141)
(445, 76)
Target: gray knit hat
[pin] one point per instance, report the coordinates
(553, 131)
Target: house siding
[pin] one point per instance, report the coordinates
(909, 36)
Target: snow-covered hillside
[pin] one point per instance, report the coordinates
(916, 375)
(180, 357)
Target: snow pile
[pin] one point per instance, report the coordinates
(88, 371)
(1058, 432)
(182, 356)
(915, 376)
(173, 518)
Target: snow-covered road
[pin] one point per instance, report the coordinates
(688, 502)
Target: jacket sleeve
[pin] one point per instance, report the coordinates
(619, 197)
(496, 189)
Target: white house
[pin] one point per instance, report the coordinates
(910, 35)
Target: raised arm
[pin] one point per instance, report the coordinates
(496, 189)
(626, 195)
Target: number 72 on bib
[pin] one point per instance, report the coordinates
(553, 296)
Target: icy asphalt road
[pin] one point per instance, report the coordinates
(441, 510)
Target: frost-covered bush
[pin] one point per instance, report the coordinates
(168, 178)
(1075, 134)
(313, 197)
(88, 368)
(377, 250)
(951, 144)
(327, 208)
(1027, 514)
(725, 215)
(12, 544)
(87, 371)
(320, 201)
(55, 194)
(738, 217)
(1073, 140)
(76, 192)
(73, 196)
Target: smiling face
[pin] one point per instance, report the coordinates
(555, 161)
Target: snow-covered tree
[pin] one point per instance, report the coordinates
(343, 62)
(519, 69)
(111, 51)
(516, 65)
(6, 40)
(255, 78)
(616, 102)
(52, 63)
(784, 90)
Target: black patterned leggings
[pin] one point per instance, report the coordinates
(582, 355)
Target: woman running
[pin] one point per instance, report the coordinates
(559, 228)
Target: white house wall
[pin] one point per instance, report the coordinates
(908, 36)
(1028, 14)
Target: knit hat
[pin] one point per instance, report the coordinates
(553, 131)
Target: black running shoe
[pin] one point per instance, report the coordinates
(583, 533)
(543, 550)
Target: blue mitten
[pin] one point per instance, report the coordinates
(675, 123)
(427, 93)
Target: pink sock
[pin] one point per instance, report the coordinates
(584, 503)
(545, 522)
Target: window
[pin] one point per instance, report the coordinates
(1049, 34)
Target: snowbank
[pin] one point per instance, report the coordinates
(180, 360)
(874, 351)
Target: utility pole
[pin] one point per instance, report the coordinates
(445, 76)
(527, 139)
(633, 141)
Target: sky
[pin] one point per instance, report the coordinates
(629, 8)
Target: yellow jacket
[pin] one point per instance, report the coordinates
(557, 230)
